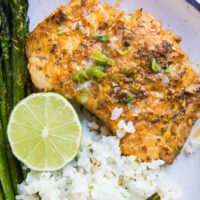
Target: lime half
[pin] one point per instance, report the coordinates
(44, 131)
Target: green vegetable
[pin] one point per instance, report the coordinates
(155, 196)
(129, 101)
(79, 76)
(5, 178)
(4, 169)
(156, 67)
(6, 7)
(1, 193)
(14, 83)
(29, 86)
(96, 73)
(21, 78)
(170, 69)
(6, 100)
(101, 37)
(19, 32)
(175, 148)
(5, 46)
(114, 78)
(102, 68)
(19, 9)
(4, 173)
(102, 59)
(83, 96)
(124, 52)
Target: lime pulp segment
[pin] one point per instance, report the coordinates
(44, 131)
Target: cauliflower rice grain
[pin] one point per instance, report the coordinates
(99, 173)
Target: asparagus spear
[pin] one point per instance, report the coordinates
(19, 32)
(29, 85)
(21, 79)
(6, 98)
(4, 173)
(5, 178)
(6, 7)
(1, 193)
(5, 45)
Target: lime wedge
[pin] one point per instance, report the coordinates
(44, 131)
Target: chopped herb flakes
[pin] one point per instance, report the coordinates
(101, 37)
(95, 73)
(114, 78)
(102, 59)
(175, 148)
(79, 76)
(156, 67)
(155, 196)
(170, 69)
(102, 68)
(83, 96)
(129, 101)
(124, 52)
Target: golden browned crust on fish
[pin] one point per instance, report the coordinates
(161, 101)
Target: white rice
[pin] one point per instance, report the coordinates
(129, 127)
(124, 128)
(120, 133)
(99, 173)
(136, 111)
(116, 113)
(192, 145)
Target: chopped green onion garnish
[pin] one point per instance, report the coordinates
(101, 37)
(114, 78)
(129, 101)
(123, 53)
(79, 76)
(101, 67)
(175, 148)
(95, 73)
(156, 67)
(102, 59)
(83, 96)
(155, 196)
(111, 62)
(170, 69)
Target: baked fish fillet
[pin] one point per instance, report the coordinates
(124, 68)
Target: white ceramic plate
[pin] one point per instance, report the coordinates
(184, 20)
